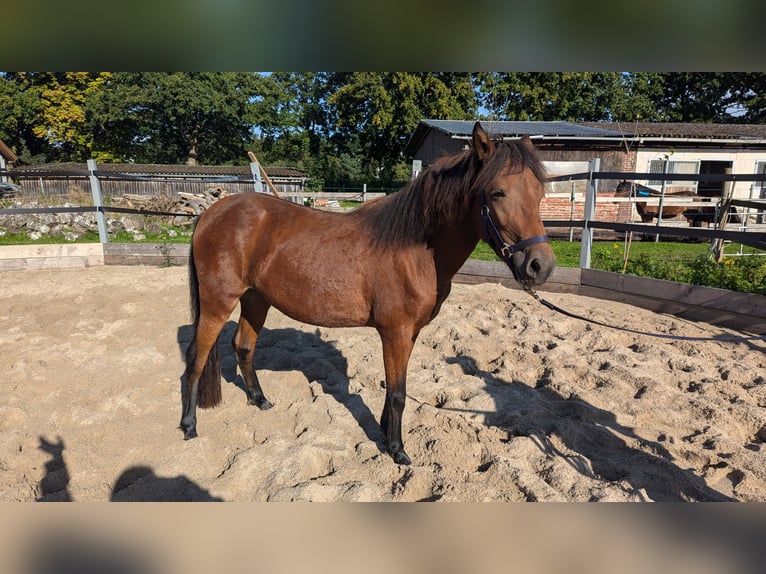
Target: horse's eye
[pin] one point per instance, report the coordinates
(497, 193)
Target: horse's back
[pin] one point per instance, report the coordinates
(243, 208)
(246, 221)
(313, 265)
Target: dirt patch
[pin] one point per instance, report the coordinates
(507, 400)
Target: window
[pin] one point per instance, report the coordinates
(679, 167)
(713, 188)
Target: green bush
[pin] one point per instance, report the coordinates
(671, 269)
(743, 273)
(746, 274)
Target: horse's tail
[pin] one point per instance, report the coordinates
(210, 381)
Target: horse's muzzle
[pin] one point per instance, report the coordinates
(533, 265)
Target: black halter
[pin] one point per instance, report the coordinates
(495, 240)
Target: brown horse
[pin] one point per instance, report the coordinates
(695, 216)
(387, 265)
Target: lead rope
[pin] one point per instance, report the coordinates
(558, 309)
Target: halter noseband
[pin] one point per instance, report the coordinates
(496, 241)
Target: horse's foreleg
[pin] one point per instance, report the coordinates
(252, 317)
(397, 347)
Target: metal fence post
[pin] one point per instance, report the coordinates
(571, 211)
(417, 167)
(257, 181)
(665, 165)
(589, 213)
(95, 189)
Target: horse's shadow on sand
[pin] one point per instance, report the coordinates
(593, 434)
(289, 349)
(598, 441)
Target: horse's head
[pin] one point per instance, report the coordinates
(509, 187)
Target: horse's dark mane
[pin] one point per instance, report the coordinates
(441, 194)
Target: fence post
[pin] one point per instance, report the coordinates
(95, 189)
(589, 213)
(417, 167)
(724, 205)
(571, 211)
(256, 171)
(665, 164)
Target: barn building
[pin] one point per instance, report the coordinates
(566, 147)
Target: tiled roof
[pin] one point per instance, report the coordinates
(686, 130)
(502, 129)
(586, 130)
(511, 129)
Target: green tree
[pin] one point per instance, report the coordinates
(343, 128)
(747, 97)
(26, 115)
(635, 98)
(294, 118)
(696, 97)
(191, 117)
(625, 97)
(45, 114)
(148, 117)
(379, 111)
(550, 96)
(17, 111)
(62, 119)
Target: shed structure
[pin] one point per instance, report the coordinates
(66, 179)
(690, 148)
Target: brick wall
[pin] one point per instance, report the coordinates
(559, 207)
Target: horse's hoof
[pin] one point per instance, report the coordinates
(401, 457)
(190, 434)
(263, 404)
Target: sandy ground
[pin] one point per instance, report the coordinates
(507, 401)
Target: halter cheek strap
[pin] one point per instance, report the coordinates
(496, 241)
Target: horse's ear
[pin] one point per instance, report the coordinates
(482, 145)
(527, 141)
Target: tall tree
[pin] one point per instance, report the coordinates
(62, 120)
(294, 118)
(750, 93)
(381, 110)
(722, 97)
(43, 113)
(549, 96)
(340, 127)
(146, 117)
(191, 117)
(635, 100)
(18, 107)
(696, 97)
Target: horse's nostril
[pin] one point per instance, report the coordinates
(535, 266)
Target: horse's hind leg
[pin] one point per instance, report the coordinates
(252, 317)
(202, 372)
